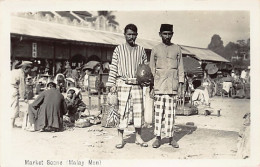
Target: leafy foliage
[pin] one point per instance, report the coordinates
(240, 50)
(109, 16)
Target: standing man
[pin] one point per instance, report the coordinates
(167, 68)
(122, 78)
(18, 87)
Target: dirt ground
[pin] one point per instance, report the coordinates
(211, 137)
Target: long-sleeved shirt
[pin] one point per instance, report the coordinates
(18, 81)
(167, 67)
(125, 61)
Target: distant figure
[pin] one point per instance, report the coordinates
(18, 87)
(75, 75)
(60, 82)
(68, 71)
(58, 67)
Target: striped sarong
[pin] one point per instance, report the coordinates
(164, 114)
(130, 97)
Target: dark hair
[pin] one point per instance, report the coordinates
(71, 91)
(131, 27)
(51, 85)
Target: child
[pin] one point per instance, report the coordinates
(75, 105)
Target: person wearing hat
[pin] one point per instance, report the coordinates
(122, 78)
(18, 87)
(68, 70)
(47, 110)
(167, 67)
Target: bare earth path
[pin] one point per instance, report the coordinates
(211, 137)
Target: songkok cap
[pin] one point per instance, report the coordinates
(25, 63)
(166, 27)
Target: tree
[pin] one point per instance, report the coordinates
(108, 15)
(216, 45)
(230, 50)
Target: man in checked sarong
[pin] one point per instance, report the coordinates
(167, 68)
(125, 60)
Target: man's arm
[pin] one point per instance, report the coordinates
(38, 101)
(144, 57)
(113, 69)
(152, 65)
(180, 67)
(180, 72)
(111, 83)
(152, 62)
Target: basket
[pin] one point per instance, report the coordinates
(110, 116)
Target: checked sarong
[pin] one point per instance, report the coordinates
(164, 114)
(130, 97)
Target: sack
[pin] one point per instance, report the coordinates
(110, 116)
(187, 110)
(144, 74)
(82, 123)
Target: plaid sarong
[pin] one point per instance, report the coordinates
(130, 97)
(164, 114)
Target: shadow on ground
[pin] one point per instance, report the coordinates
(148, 134)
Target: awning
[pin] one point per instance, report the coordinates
(57, 31)
(45, 29)
(192, 66)
(204, 54)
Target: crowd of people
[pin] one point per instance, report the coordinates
(166, 64)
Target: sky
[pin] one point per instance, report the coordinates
(191, 28)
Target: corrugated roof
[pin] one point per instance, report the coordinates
(53, 30)
(204, 54)
(37, 28)
(67, 14)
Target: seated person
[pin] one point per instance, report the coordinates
(75, 105)
(227, 84)
(46, 111)
(201, 96)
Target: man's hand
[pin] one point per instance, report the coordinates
(151, 93)
(113, 89)
(180, 91)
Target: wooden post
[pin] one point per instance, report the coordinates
(54, 60)
(99, 100)
(89, 103)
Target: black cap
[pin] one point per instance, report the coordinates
(166, 27)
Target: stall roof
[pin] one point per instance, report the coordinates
(23, 26)
(52, 30)
(204, 54)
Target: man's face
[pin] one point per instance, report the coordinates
(130, 37)
(166, 37)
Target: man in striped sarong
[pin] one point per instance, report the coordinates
(122, 78)
(167, 68)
